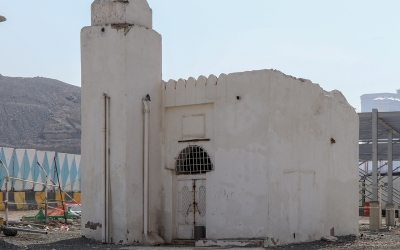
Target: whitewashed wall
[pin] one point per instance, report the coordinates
(123, 62)
(277, 175)
(22, 164)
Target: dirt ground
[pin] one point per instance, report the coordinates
(387, 238)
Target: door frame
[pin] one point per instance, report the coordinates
(176, 198)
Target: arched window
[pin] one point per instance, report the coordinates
(193, 160)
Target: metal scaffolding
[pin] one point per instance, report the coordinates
(379, 143)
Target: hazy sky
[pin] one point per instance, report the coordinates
(352, 46)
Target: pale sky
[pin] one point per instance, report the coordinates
(352, 46)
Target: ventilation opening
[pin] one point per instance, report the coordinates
(193, 160)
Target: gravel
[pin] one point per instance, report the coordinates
(387, 238)
(366, 239)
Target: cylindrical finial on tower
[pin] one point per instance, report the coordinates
(135, 12)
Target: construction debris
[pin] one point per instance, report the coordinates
(329, 238)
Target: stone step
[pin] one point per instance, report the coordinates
(230, 243)
(183, 243)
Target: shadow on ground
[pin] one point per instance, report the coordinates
(343, 241)
(80, 243)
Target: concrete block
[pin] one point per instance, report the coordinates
(390, 215)
(375, 217)
(230, 243)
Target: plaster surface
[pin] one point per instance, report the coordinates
(277, 176)
(125, 64)
(284, 151)
(135, 12)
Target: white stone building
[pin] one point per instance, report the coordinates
(253, 155)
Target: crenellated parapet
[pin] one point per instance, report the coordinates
(192, 91)
(233, 86)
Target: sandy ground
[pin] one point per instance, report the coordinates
(387, 238)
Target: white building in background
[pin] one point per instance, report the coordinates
(384, 102)
(253, 155)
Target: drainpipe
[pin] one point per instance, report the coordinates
(146, 111)
(6, 186)
(106, 180)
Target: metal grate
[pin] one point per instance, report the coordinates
(186, 201)
(202, 201)
(193, 160)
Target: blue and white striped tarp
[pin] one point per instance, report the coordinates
(22, 163)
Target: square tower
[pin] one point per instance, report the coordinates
(121, 65)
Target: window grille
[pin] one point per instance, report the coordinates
(193, 160)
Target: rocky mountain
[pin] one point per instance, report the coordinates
(40, 113)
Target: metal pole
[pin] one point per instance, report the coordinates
(6, 185)
(59, 186)
(45, 193)
(34, 182)
(375, 154)
(363, 192)
(6, 203)
(66, 194)
(390, 167)
(108, 180)
(24, 223)
(106, 198)
(380, 199)
(104, 182)
(24, 230)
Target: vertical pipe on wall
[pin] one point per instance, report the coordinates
(106, 180)
(146, 111)
(104, 228)
(108, 191)
(375, 155)
(390, 167)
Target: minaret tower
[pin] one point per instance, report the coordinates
(121, 73)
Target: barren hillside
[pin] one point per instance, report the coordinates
(40, 113)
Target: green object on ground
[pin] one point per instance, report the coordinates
(40, 215)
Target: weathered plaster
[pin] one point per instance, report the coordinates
(127, 67)
(121, 12)
(285, 152)
(277, 175)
